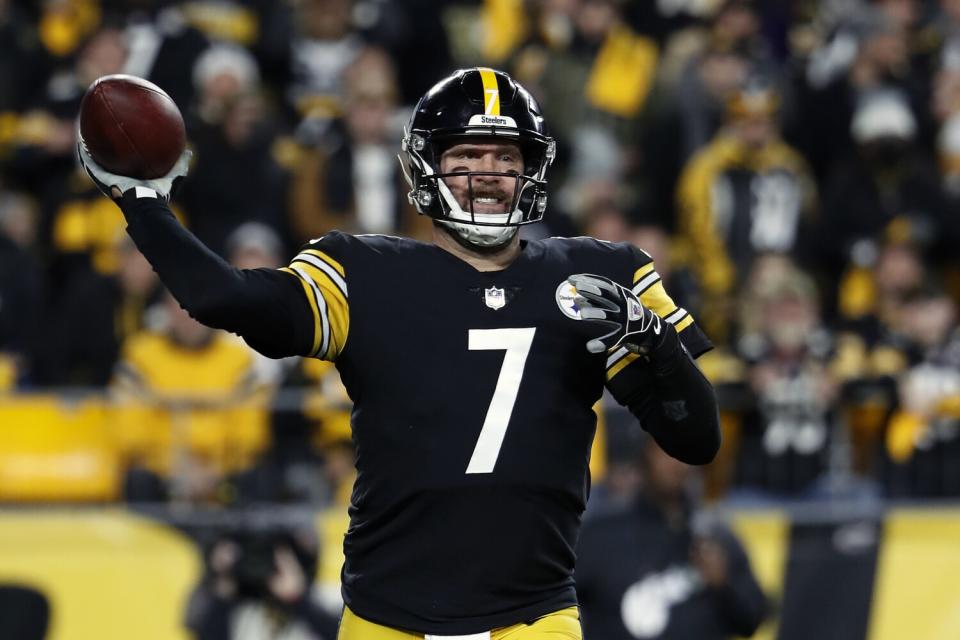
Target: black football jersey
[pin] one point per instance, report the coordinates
(473, 420)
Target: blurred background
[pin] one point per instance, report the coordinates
(792, 166)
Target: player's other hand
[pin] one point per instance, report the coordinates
(114, 186)
(616, 309)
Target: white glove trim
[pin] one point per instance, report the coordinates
(161, 186)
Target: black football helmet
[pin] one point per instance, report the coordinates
(470, 104)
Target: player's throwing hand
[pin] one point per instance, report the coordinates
(107, 181)
(630, 324)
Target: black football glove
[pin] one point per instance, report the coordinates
(630, 324)
(105, 181)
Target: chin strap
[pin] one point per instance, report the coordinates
(480, 235)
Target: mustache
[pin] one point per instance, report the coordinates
(500, 194)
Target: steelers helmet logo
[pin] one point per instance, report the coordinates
(566, 293)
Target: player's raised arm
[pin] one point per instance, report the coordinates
(264, 306)
(650, 370)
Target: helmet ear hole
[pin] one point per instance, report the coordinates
(424, 197)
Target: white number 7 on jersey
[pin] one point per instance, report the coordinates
(516, 342)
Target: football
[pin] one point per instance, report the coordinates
(131, 127)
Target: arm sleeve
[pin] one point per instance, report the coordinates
(673, 400)
(666, 391)
(267, 307)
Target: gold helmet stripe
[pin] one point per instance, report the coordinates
(491, 92)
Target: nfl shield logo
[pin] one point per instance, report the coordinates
(494, 298)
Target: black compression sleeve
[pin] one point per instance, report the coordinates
(673, 400)
(264, 306)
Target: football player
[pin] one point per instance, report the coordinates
(473, 363)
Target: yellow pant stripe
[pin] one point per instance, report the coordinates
(559, 625)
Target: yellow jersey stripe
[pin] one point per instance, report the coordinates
(642, 271)
(308, 291)
(336, 308)
(326, 258)
(335, 276)
(683, 324)
(491, 91)
(677, 316)
(645, 283)
(657, 299)
(321, 313)
(331, 290)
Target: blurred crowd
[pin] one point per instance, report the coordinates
(792, 167)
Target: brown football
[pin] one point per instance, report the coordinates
(131, 127)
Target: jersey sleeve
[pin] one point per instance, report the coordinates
(648, 287)
(319, 267)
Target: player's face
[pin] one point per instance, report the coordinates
(491, 193)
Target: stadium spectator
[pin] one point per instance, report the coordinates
(683, 115)
(349, 177)
(733, 48)
(257, 584)
(199, 397)
(946, 78)
(868, 51)
(263, 27)
(22, 290)
(95, 315)
(325, 44)
(870, 352)
(21, 62)
(254, 245)
(659, 569)
(604, 218)
(416, 35)
(163, 45)
(602, 77)
(289, 470)
(539, 30)
(948, 154)
(700, 71)
(786, 433)
(309, 443)
(744, 195)
(77, 235)
(234, 138)
(922, 441)
(595, 173)
(887, 179)
(45, 135)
